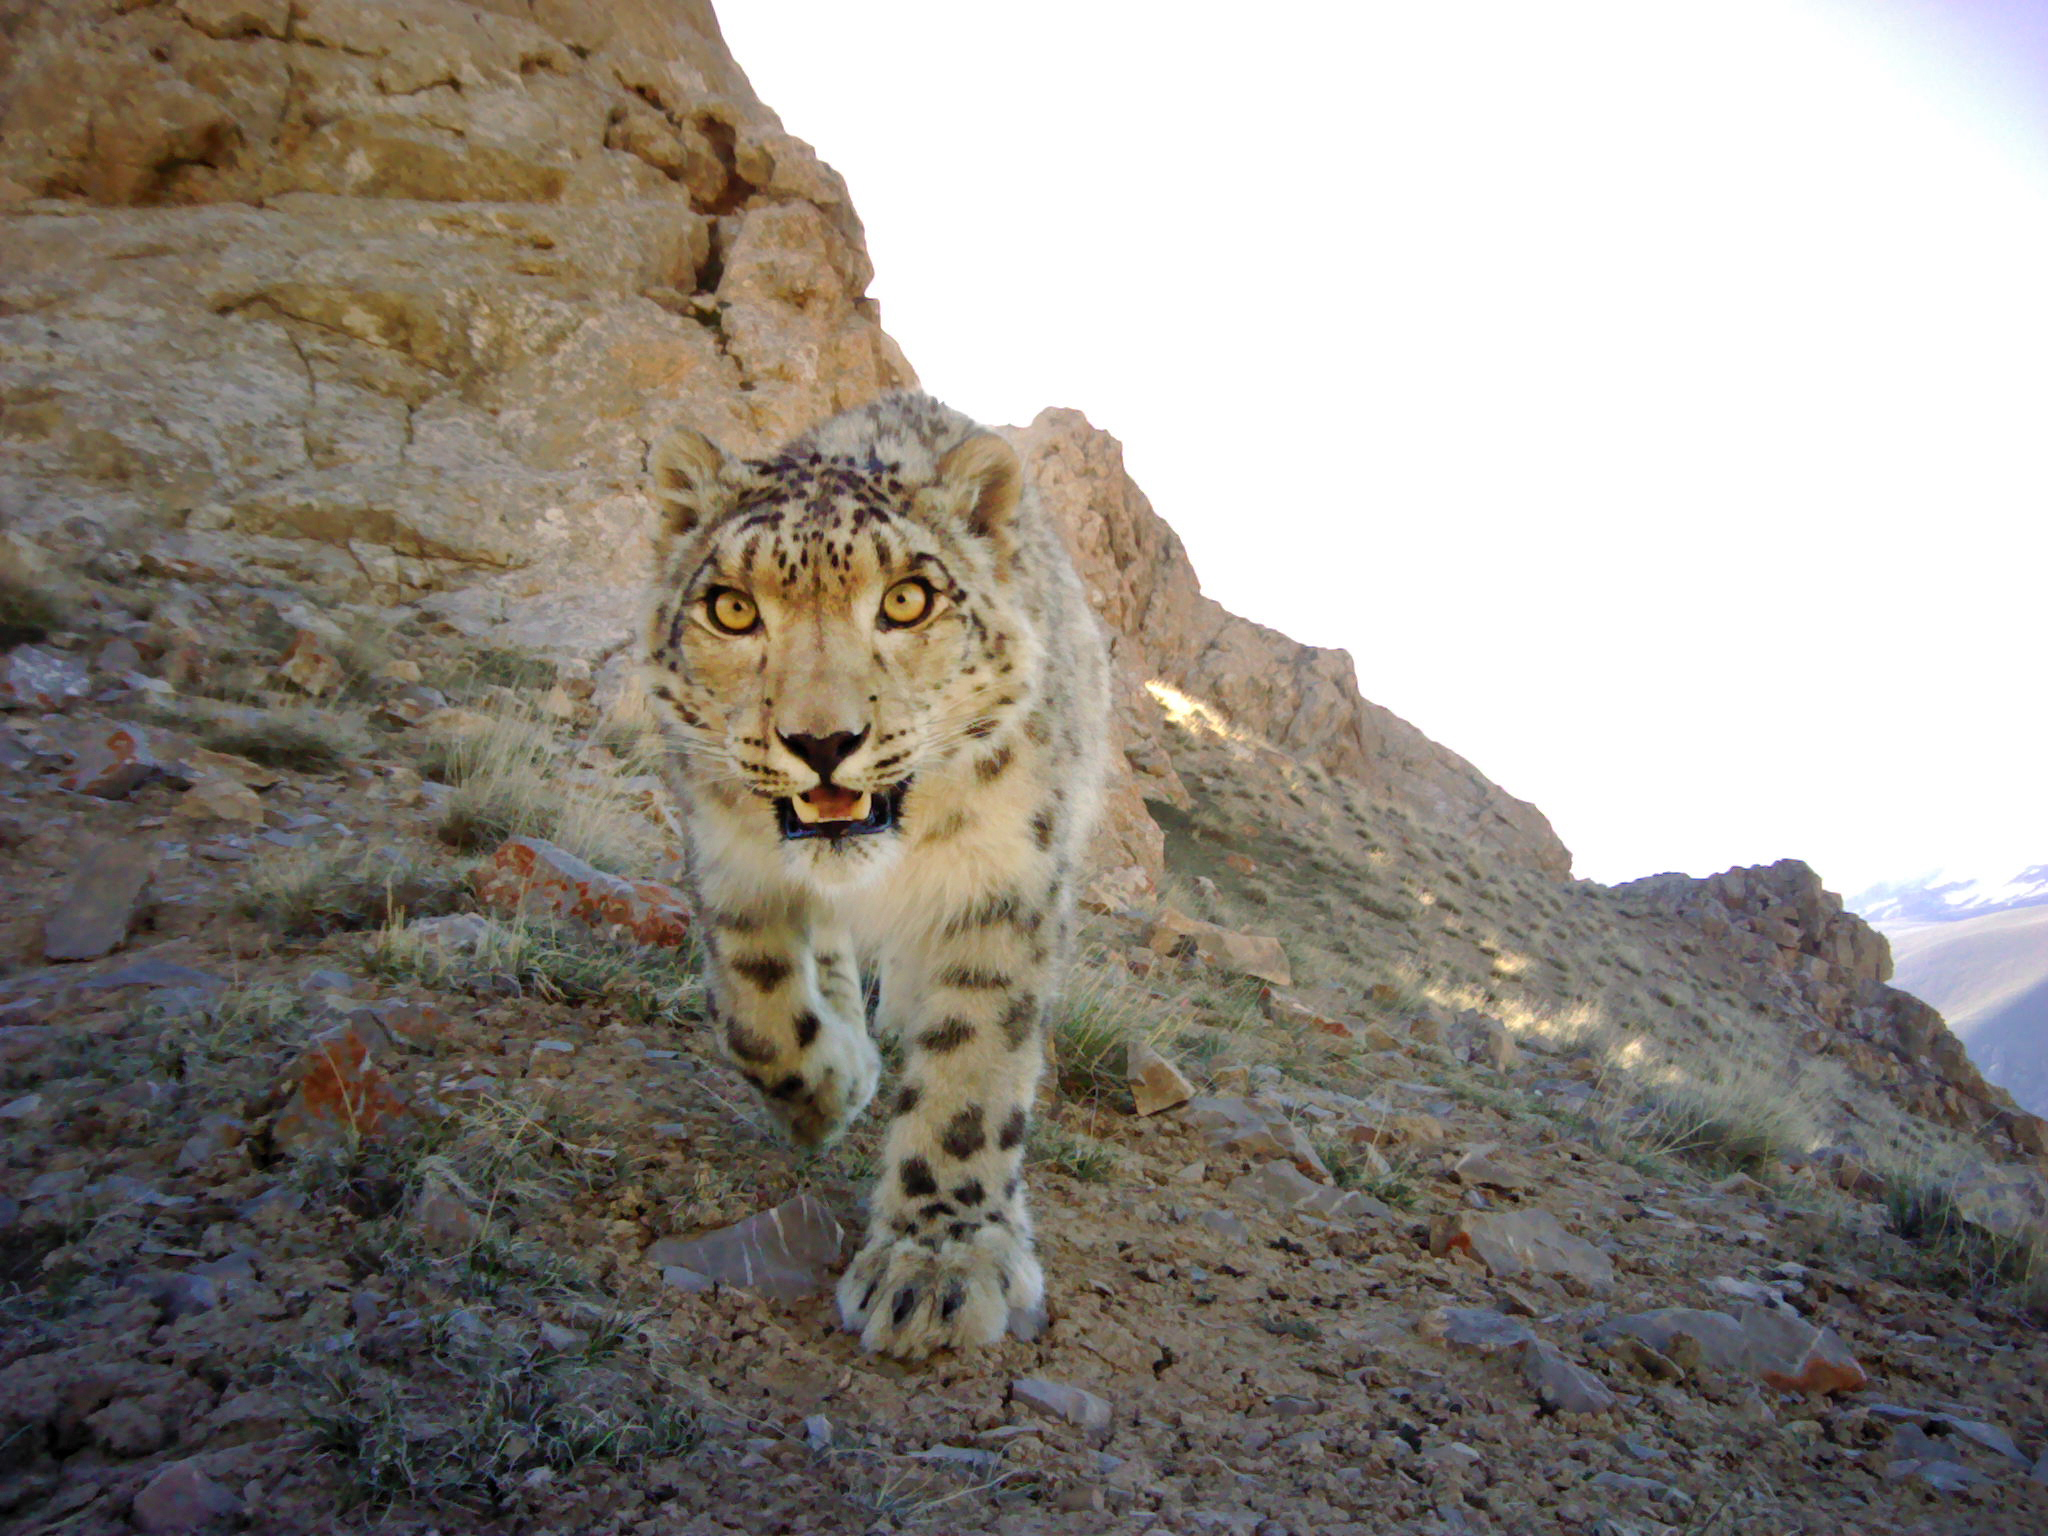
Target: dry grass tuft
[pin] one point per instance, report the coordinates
(557, 962)
(514, 778)
(29, 609)
(308, 893)
(299, 738)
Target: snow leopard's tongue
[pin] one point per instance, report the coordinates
(828, 802)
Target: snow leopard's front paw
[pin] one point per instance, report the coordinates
(816, 1091)
(910, 1295)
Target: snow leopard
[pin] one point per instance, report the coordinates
(885, 699)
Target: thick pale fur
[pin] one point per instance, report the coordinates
(992, 712)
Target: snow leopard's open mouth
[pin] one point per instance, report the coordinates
(829, 811)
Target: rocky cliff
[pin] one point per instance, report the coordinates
(1795, 938)
(390, 299)
(1301, 698)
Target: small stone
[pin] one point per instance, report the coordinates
(1561, 1385)
(27, 1107)
(1284, 1185)
(1512, 1243)
(563, 1340)
(1246, 954)
(220, 798)
(688, 1281)
(1480, 1330)
(1156, 1083)
(310, 665)
(1794, 1356)
(1061, 1401)
(317, 983)
(112, 764)
(1224, 1225)
(1478, 1166)
(785, 1253)
(183, 1498)
(818, 1433)
(529, 874)
(1242, 1125)
(103, 902)
(36, 677)
(341, 1094)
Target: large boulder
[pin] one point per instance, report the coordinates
(394, 296)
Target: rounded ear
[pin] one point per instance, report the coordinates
(692, 482)
(984, 473)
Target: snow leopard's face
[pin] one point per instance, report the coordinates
(823, 632)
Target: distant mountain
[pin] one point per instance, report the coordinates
(1989, 977)
(1977, 949)
(1948, 897)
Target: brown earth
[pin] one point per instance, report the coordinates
(342, 1227)
(340, 1195)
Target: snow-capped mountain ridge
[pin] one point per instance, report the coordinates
(1949, 896)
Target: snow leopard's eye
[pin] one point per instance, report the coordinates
(733, 612)
(906, 603)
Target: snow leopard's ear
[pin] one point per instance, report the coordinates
(982, 480)
(694, 480)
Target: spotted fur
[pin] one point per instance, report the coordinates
(988, 717)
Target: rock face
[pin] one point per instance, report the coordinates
(1301, 698)
(393, 296)
(392, 299)
(1780, 920)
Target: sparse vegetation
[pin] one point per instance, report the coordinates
(300, 738)
(484, 1423)
(29, 610)
(1074, 1153)
(557, 962)
(305, 893)
(1963, 1256)
(513, 779)
(197, 1047)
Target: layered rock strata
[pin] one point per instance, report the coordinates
(392, 297)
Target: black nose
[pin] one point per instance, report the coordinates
(825, 753)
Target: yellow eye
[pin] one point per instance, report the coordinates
(733, 612)
(906, 602)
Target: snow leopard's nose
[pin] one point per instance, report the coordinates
(824, 753)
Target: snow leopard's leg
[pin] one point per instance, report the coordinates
(785, 998)
(948, 1251)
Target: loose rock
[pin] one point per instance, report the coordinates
(784, 1253)
(529, 873)
(1156, 1083)
(1061, 1401)
(1511, 1243)
(183, 1498)
(103, 903)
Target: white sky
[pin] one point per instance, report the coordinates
(1650, 397)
